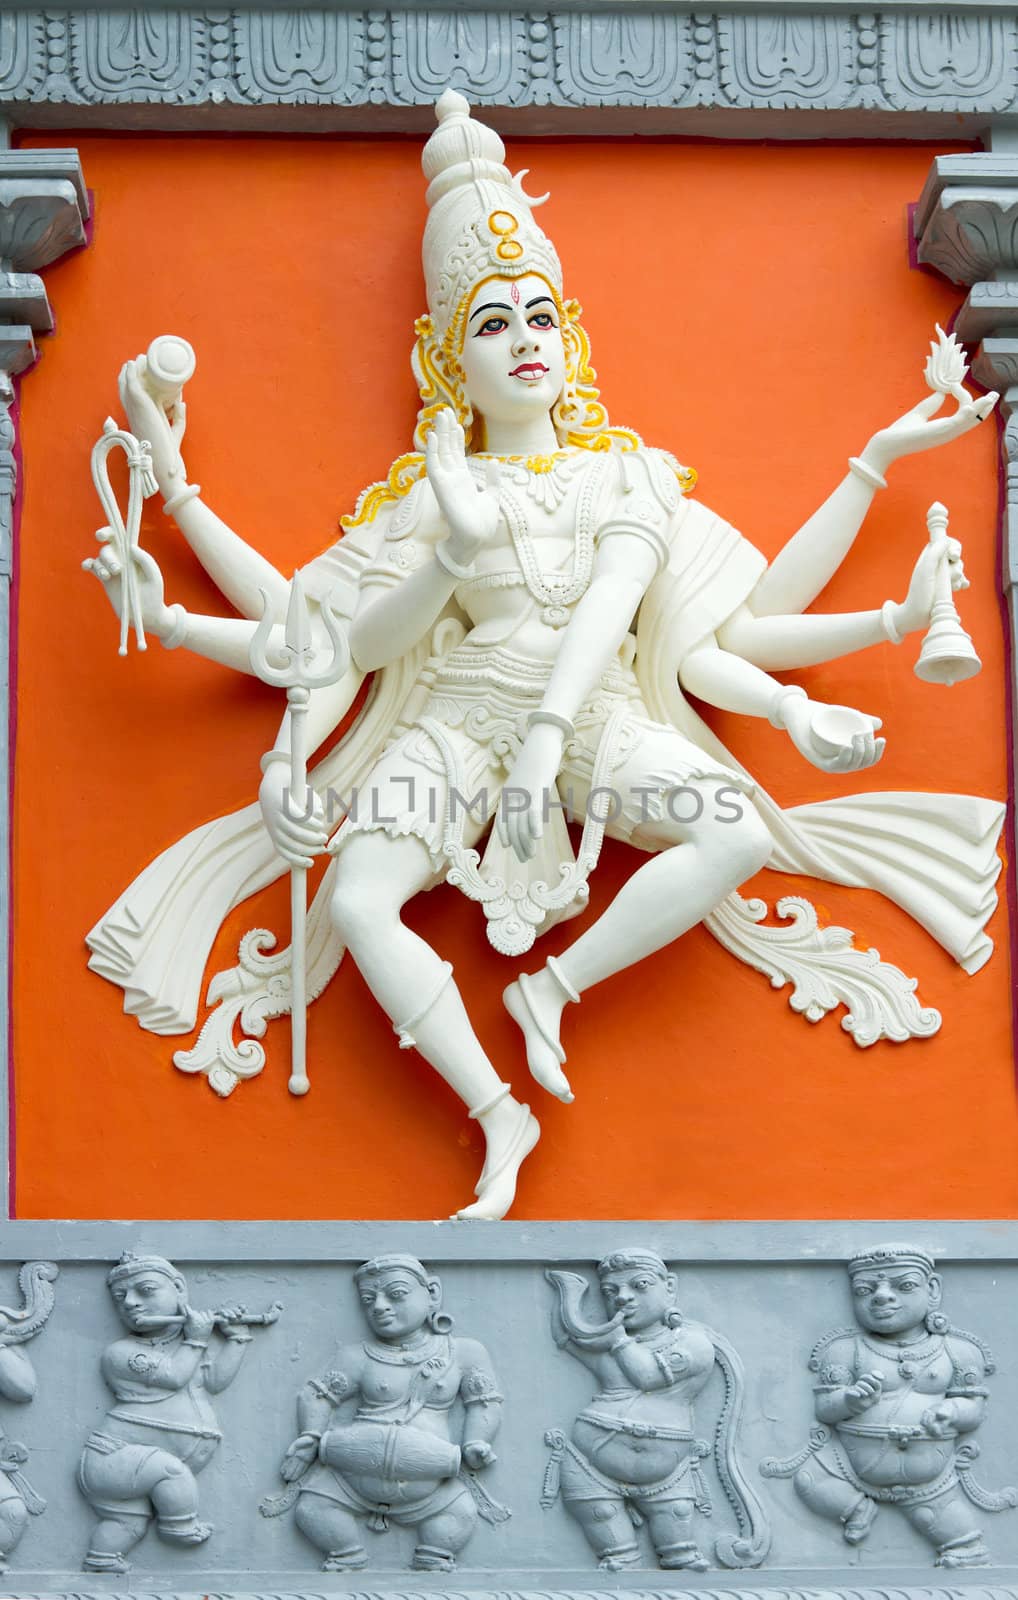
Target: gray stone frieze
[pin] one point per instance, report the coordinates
(917, 67)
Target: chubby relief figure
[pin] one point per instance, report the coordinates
(633, 1456)
(898, 1399)
(141, 1463)
(427, 1408)
(536, 592)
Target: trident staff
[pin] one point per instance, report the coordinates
(296, 675)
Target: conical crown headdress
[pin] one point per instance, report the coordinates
(480, 222)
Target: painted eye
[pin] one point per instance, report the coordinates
(542, 319)
(492, 326)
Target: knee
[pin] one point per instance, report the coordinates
(744, 843)
(358, 903)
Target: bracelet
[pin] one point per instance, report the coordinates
(890, 621)
(868, 474)
(273, 755)
(454, 568)
(565, 727)
(238, 1338)
(178, 632)
(197, 1344)
(775, 714)
(182, 496)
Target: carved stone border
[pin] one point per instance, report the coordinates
(753, 68)
(796, 68)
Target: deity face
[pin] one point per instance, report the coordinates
(396, 1303)
(895, 1298)
(148, 1303)
(643, 1297)
(512, 352)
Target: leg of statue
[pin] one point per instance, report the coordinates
(609, 1532)
(700, 862)
(375, 877)
(947, 1524)
(332, 1529)
(175, 1497)
(671, 1533)
(13, 1519)
(442, 1537)
(840, 1501)
(112, 1538)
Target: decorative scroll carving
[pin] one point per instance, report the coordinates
(897, 1400)
(971, 234)
(784, 60)
(388, 1463)
(483, 52)
(633, 1456)
(825, 970)
(18, 1500)
(138, 54)
(161, 1375)
(947, 59)
(619, 59)
(22, 54)
(299, 56)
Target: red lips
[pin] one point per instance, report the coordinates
(529, 369)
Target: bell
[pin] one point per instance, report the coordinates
(948, 655)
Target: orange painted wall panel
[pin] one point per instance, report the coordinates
(750, 307)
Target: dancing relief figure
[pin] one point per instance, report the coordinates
(897, 1401)
(142, 1461)
(536, 592)
(634, 1456)
(428, 1408)
(18, 1499)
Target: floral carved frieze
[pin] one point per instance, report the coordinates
(952, 58)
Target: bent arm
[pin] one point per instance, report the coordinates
(226, 1362)
(780, 643)
(234, 567)
(623, 572)
(808, 562)
(728, 681)
(389, 624)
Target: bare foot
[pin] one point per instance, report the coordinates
(535, 1003)
(511, 1133)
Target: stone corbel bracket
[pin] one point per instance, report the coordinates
(966, 226)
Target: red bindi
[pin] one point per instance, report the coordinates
(514, 290)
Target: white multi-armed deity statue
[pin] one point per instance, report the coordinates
(536, 592)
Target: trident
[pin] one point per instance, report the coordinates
(295, 675)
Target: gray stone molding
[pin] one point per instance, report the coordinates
(966, 226)
(43, 210)
(770, 1289)
(796, 70)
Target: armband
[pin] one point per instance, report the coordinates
(190, 491)
(566, 727)
(271, 756)
(890, 622)
(454, 568)
(178, 632)
(869, 475)
(775, 712)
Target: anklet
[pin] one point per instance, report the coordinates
(403, 1029)
(561, 979)
(490, 1104)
